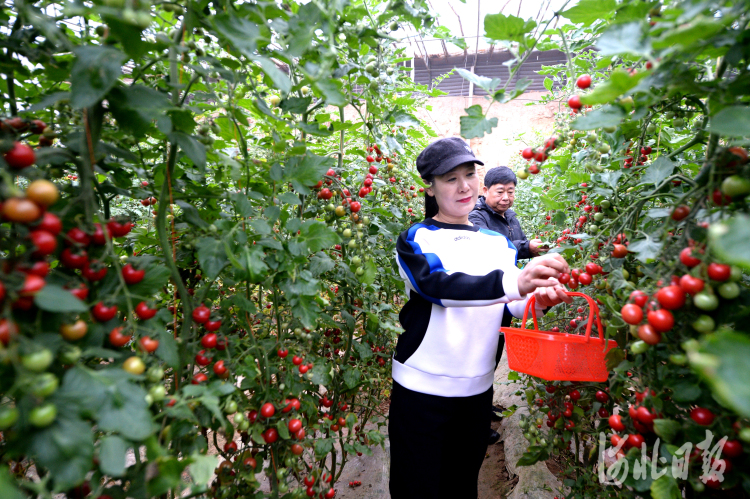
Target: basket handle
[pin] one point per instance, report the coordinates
(593, 307)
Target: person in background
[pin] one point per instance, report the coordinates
(492, 211)
(461, 281)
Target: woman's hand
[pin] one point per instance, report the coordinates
(552, 295)
(542, 272)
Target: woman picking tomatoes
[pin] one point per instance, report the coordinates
(461, 280)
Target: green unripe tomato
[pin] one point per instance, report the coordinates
(37, 361)
(155, 374)
(43, 415)
(8, 417)
(745, 435)
(70, 354)
(244, 426)
(678, 122)
(352, 243)
(704, 324)
(44, 385)
(735, 186)
(366, 220)
(356, 261)
(238, 418)
(736, 274)
(651, 128)
(625, 274)
(360, 271)
(603, 148)
(281, 473)
(347, 233)
(705, 301)
(639, 347)
(157, 393)
(678, 359)
(393, 26)
(598, 217)
(592, 137)
(609, 129)
(230, 407)
(606, 204)
(729, 290)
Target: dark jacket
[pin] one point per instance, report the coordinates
(508, 225)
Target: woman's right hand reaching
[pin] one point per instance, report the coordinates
(542, 272)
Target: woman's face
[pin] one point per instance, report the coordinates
(456, 191)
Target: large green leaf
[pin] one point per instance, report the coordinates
(625, 38)
(279, 78)
(666, 428)
(305, 171)
(732, 122)
(646, 250)
(112, 455)
(588, 11)
(8, 489)
(242, 34)
(722, 361)
(54, 298)
(598, 118)
(665, 487)
(66, 449)
(488, 84)
(729, 239)
(617, 84)
(95, 72)
(212, 256)
(475, 125)
(696, 31)
(202, 468)
(331, 90)
(318, 236)
(658, 171)
(510, 28)
(191, 147)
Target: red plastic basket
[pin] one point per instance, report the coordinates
(558, 356)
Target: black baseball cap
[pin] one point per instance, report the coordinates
(443, 155)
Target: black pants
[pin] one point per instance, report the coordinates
(437, 444)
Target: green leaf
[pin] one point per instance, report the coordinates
(167, 350)
(475, 125)
(307, 170)
(732, 121)
(488, 84)
(698, 30)
(665, 487)
(202, 468)
(352, 377)
(588, 11)
(320, 264)
(404, 119)
(729, 240)
(317, 236)
(112, 452)
(279, 78)
(666, 428)
(289, 198)
(124, 410)
(241, 33)
(54, 298)
(211, 256)
(95, 72)
(646, 250)
(624, 39)
(191, 214)
(548, 84)
(8, 489)
(66, 449)
(614, 357)
(510, 28)
(321, 374)
(323, 446)
(191, 147)
(722, 362)
(371, 272)
(658, 171)
(513, 376)
(598, 118)
(363, 350)
(686, 391)
(331, 90)
(618, 83)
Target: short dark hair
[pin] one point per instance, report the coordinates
(499, 175)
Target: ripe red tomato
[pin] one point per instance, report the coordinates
(574, 102)
(117, 339)
(719, 271)
(103, 313)
(719, 198)
(118, 229)
(564, 278)
(143, 311)
(635, 440)
(149, 344)
(702, 416)
(534, 169)
(98, 236)
(221, 370)
(296, 449)
(201, 314)
(50, 223)
(690, 284)
(527, 153)
(661, 320)
(639, 297)
(32, 284)
(81, 292)
(601, 396)
(632, 314)
(20, 156)
(201, 359)
(644, 415)
(21, 210)
(270, 435)
(575, 273)
(282, 352)
(267, 410)
(97, 273)
(230, 447)
(72, 260)
(44, 242)
(648, 334)
(585, 279)
(78, 236)
(575, 395)
(297, 360)
(209, 340)
(680, 212)
(212, 325)
(593, 269)
(40, 268)
(671, 297)
(355, 206)
(199, 378)
(583, 81)
(330, 494)
(619, 251)
(303, 368)
(132, 275)
(687, 258)
(8, 330)
(732, 448)
(603, 412)
(294, 425)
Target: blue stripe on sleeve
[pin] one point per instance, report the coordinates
(432, 259)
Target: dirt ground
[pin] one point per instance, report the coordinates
(494, 480)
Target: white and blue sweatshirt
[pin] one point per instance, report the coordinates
(462, 281)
